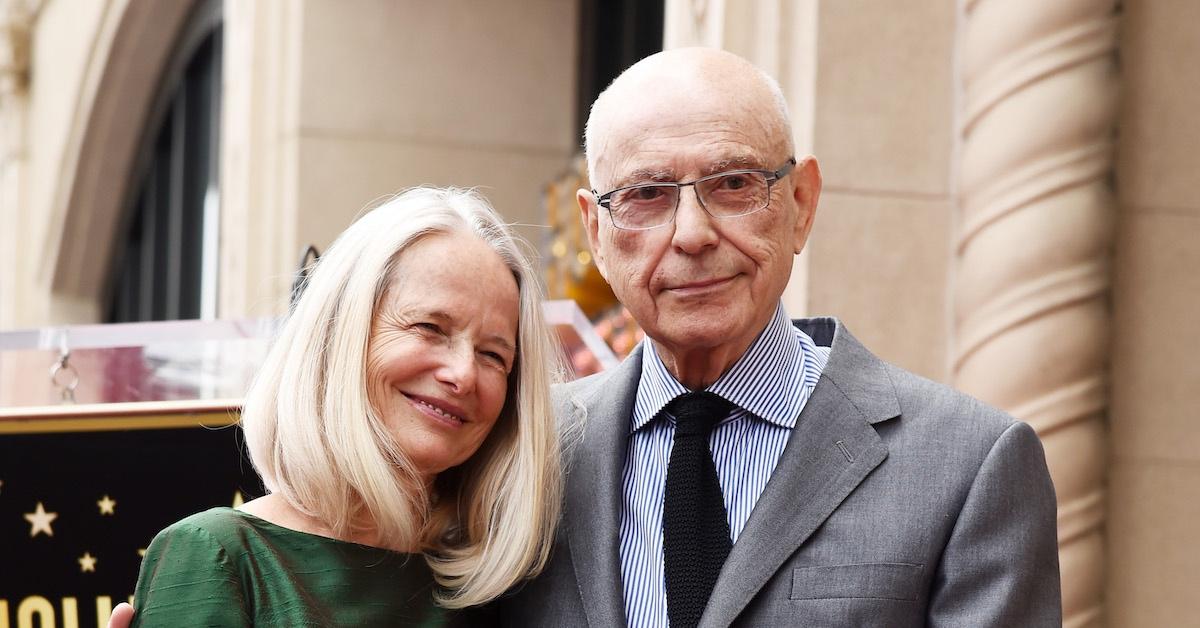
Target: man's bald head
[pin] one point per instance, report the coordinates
(701, 82)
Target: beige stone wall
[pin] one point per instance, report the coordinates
(93, 72)
(1154, 559)
(884, 134)
(61, 41)
(330, 109)
(329, 106)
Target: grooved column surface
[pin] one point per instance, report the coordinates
(1034, 233)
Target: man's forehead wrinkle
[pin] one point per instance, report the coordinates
(704, 145)
(653, 174)
(671, 154)
(740, 162)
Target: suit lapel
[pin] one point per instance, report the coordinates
(594, 502)
(831, 450)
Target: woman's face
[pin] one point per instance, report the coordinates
(442, 345)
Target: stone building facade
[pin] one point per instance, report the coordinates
(1010, 204)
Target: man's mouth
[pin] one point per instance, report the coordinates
(700, 286)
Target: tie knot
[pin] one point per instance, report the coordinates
(697, 412)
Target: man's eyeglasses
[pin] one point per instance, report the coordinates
(722, 195)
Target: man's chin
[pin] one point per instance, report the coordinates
(708, 336)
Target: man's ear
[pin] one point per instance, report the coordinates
(589, 213)
(806, 191)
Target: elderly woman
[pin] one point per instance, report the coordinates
(402, 425)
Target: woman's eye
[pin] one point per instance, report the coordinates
(429, 327)
(495, 358)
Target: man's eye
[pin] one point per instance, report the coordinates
(429, 327)
(733, 182)
(650, 196)
(647, 193)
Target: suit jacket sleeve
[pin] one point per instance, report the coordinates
(1000, 567)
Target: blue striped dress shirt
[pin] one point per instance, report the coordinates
(769, 385)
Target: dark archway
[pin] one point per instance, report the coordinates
(134, 51)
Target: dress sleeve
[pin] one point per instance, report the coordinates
(187, 579)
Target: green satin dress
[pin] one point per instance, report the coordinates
(224, 567)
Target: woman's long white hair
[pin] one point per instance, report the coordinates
(315, 439)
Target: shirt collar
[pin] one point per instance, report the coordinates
(767, 381)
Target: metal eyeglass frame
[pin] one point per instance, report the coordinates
(605, 200)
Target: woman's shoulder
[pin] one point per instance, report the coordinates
(190, 574)
(217, 521)
(262, 516)
(219, 526)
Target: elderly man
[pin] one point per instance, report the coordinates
(840, 490)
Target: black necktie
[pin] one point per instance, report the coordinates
(695, 531)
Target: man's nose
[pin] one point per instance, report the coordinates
(694, 228)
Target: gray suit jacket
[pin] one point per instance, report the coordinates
(897, 502)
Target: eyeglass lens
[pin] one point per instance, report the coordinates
(723, 195)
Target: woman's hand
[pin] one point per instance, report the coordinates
(121, 616)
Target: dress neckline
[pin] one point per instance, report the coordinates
(259, 522)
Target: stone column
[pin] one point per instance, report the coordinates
(16, 22)
(1033, 246)
(259, 156)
